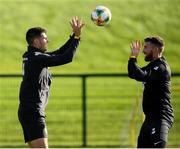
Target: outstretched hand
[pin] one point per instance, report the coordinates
(76, 25)
(135, 48)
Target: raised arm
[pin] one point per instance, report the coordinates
(58, 58)
(62, 49)
(76, 25)
(134, 71)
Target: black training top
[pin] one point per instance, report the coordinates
(34, 90)
(156, 96)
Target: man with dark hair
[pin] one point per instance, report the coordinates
(156, 95)
(32, 33)
(34, 90)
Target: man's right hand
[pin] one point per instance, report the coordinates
(135, 48)
(76, 25)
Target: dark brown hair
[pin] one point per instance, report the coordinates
(33, 33)
(156, 40)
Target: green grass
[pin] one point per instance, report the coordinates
(102, 49)
(113, 108)
(111, 101)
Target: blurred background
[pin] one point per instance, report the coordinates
(113, 113)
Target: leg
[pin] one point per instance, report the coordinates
(143, 138)
(160, 136)
(39, 143)
(34, 129)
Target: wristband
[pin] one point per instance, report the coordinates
(132, 56)
(76, 37)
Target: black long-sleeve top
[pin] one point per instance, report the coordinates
(156, 95)
(35, 86)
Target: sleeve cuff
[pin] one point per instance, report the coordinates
(74, 36)
(132, 56)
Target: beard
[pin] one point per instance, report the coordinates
(148, 57)
(44, 48)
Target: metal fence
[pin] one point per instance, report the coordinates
(125, 91)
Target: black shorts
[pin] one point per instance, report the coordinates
(153, 134)
(33, 125)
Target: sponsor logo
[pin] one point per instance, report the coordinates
(156, 68)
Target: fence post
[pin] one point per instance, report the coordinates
(84, 112)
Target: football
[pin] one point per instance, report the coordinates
(101, 15)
